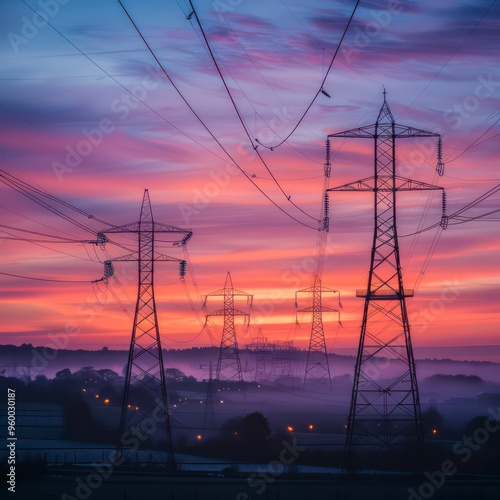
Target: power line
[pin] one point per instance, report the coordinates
(268, 85)
(205, 126)
(125, 88)
(475, 143)
(43, 279)
(37, 221)
(320, 90)
(36, 195)
(63, 240)
(450, 57)
(450, 149)
(240, 117)
(457, 215)
(478, 200)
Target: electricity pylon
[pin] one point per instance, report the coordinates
(144, 414)
(229, 364)
(317, 367)
(209, 416)
(385, 406)
(261, 348)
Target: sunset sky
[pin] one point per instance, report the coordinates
(70, 126)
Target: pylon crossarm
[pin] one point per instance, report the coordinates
(134, 227)
(235, 292)
(220, 312)
(413, 185)
(387, 129)
(366, 132)
(160, 227)
(366, 184)
(230, 291)
(319, 288)
(131, 257)
(217, 293)
(156, 227)
(166, 258)
(319, 309)
(404, 132)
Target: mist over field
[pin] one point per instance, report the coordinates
(458, 390)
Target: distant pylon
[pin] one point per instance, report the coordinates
(145, 402)
(261, 348)
(317, 366)
(284, 359)
(385, 405)
(229, 364)
(209, 417)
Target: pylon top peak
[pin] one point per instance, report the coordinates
(146, 209)
(229, 281)
(385, 114)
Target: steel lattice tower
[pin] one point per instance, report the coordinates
(261, 346)
(209, 416)
(145, 402)
(229, 364)
(385, 406)
(262, 350)
(317, 367)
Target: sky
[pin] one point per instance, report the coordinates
(87, 115)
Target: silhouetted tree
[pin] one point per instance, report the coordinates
(64, 373)
(248, 435)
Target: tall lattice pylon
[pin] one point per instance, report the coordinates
(385, 407)
(145, 402)
(317, 366)
(209, 415)
(229, 364)
(261, 347)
